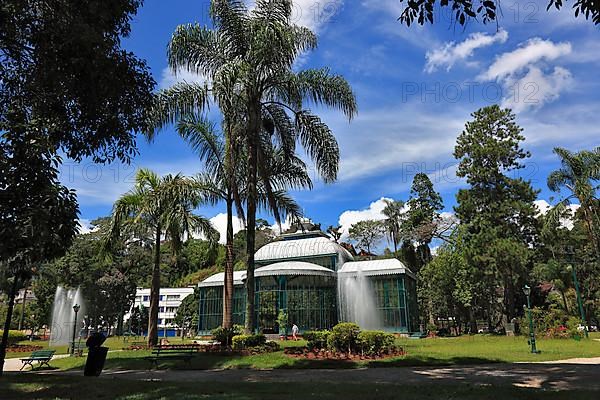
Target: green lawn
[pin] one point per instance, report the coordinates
(30, 386)
(440, 351)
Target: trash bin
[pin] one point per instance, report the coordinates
(96, 354)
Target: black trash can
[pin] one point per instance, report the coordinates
(96, 355)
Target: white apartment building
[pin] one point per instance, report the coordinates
(169, 301)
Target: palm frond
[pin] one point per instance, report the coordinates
(182, 100)
(322, 87)
(320, 144)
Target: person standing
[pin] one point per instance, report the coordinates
(294, 332)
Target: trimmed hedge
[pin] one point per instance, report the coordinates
(316, 339)
(14, 337)
(375, 342)
(344, 337)
(242, 342)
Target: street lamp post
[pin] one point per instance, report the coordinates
(76, 308)
(527, 291)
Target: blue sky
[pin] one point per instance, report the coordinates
(415, 87)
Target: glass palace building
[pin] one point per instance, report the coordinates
(318, 284)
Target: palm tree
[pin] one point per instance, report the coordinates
(163, 207)
(395, 217)
(248, 58)
(579, 173)
(280, 174)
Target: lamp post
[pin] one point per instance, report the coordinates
(527, 291)
(76, 308)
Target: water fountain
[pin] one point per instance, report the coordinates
(63, 316)
(356, 299)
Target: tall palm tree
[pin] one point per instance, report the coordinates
(164, 207)
(395, 217)
(248, 57)
(579, 174)
(280, 174)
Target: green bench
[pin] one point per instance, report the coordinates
(40, 356)
(183, 352)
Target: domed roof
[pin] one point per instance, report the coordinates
(293, 268)
(219, 279)
(301, 248)
(389, 266)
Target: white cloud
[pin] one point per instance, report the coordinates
(452, 52)
(85, 226)
(315, 14)
(526, 80)
(543, 207)
(374, 212)
(536, 88)
(169, 78)
(531, 52)
(219, 222)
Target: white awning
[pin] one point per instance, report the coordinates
(390, 266)
(219, 279)
(293, 268)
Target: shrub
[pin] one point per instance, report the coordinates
(225, 335)
(344, 337)
(316, 339)
(14, 337)
(375, 342)
(241, 342)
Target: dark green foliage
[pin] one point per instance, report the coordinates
(344, 337)
(463, 11)
(497, 210)
(316, 339)
(14, 337)
(67, 81)
(242, 342)
(225, 335)
(375, 342)
(367, 234)
(187, 313)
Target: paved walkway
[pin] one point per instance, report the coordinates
(561, 375)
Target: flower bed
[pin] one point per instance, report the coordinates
(322, 354)
(23, 348)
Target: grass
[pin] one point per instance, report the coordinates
(477, 349)
(29, 386)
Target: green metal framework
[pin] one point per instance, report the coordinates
(396, 302)
(211, 307)
(310, 302)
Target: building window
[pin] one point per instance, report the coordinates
(161, 297)
(161, 309)
(173, 297)
(146, 298)
(171, 309)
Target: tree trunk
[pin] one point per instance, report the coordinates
(22, 318)
(564, 299)
(228, 283)
(9, 312)
(154, 294)
(251, 143)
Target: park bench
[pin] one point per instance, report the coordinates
(183, 352)
(40, 356)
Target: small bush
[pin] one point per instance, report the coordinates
(375, 342)
(14, 337)
(316, 339)
(344, 337)
(241, 342)
(225, 335)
